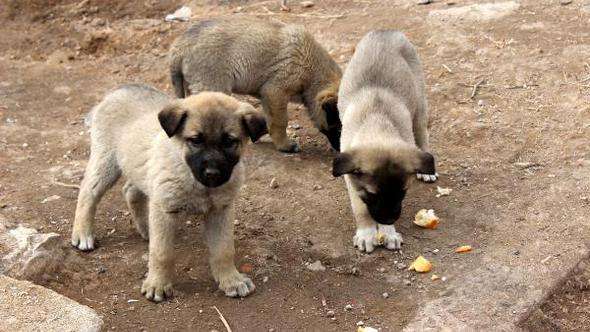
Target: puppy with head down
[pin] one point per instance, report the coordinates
(384, 134)
(178, 157)
(269, 60)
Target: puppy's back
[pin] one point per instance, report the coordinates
(383, 59)
(120, 109)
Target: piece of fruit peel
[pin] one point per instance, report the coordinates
(426, 219)
(463, 249)
(421, 265)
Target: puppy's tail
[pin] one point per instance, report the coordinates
(177, 76)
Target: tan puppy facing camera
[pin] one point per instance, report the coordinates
(269, 60)
(384, 134)
(178, 157)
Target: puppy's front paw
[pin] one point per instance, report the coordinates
(427, 177)
(365, 239)
(156, 289)
(83, 240)
(237, 285)
(390, 238)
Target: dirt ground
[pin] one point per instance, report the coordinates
(509, 98)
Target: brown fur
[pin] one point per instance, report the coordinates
(267, 59)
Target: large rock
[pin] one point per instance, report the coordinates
(25, 306)
(28, 254)
(476, 12)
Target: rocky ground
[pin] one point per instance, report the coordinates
(509, 92)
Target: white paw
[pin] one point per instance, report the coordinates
(390, 238)
(365, 239)
(84, 242)
(156, 289)
(237, 286)
(427, 177)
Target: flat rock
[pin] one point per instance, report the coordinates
(476, 12)
(28, 254)
(25, 306)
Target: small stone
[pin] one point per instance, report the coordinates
(435, 251)
(330, 313)
(385, 295)
(401, 266)
(407, 282)
(50, 199)
(481, 103)
(360, 323)
(424, 2)
(565, 2)
(265, 279)
(236, 222)
(317, 187)
(348, 307)
(443, 279)
(307, 4)
(274, 184)
(381, 269)
(354, 271)
(25, 145)
(315, 266)
(101, 270)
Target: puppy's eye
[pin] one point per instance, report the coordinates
(196, 140)
(229, 142)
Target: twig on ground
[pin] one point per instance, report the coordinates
(476, 87)
(447, 68)
(67, 185)
(227, 328)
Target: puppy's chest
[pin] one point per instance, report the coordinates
(202, 201)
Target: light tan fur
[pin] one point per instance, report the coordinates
(384, 118)
(127, 139)
(270, 60)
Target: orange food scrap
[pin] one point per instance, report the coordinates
(462, 249)
(246, 268)
(426, 219)
(421, 265)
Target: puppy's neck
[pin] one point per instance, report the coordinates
(377, 117)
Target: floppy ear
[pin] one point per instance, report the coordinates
(171, 119)
(425, 163)
(253, 122)
(343, 164)
(330, 106)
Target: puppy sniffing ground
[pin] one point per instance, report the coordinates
(178, 157)
(384, 140)
(275, 62)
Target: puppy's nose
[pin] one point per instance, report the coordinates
(211, 173)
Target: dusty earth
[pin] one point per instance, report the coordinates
(514, 149)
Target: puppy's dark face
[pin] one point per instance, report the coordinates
(334, 126)
(212, 128)
(380, 178)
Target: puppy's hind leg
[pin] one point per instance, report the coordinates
(100, 175)
(219, 235)
(138, 206)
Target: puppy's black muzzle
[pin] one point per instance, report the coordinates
(211, 169)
